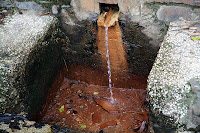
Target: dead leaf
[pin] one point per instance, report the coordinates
(82, 125)
(62, 108)
(195, 38)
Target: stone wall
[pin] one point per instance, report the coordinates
(85, 8)
(173, 83)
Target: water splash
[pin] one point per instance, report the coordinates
(108, 62)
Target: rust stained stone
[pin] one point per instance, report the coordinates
(85, 90)
(108, 124)
(107, 105)
(96, 118)
(94, 111)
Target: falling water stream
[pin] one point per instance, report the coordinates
(109, 68)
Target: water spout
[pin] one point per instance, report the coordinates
(108, 63)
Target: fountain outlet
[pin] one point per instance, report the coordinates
(109, 14)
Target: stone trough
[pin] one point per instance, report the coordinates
(31, 55)
(27, 43)
(174, 80)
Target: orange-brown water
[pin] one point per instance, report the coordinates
(80, 98)
(120, 75)
(117, 55)
(87, 108)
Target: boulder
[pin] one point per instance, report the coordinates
(172, 13)
(85, 8)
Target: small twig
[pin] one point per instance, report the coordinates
(65, 63)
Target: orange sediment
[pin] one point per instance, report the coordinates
(80, 97)
(83, 112)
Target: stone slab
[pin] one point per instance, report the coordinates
(84, 8)
(18, 37)
(169, 87)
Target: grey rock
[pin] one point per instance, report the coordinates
(177, 62)
(194, 108)
(172, 13)
(2, 4)
(54, 9)
(30, 5)
(156, 31)
(197, 25)
(84, 8)
(18, 37)
(66, 17)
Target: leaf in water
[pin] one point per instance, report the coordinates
(195, 38)
(62, 108)
(95, 93)
(82, 125)
(79, 91)
(142, 127)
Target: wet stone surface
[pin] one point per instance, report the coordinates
(84, 107)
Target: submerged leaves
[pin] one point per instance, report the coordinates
(82, 125)
(95, 93)
(62, 108)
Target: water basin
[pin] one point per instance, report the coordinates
(101, 94)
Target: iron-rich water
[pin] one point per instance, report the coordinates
(99, 96)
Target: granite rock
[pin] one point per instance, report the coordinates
(20, 36)
(177, 63)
